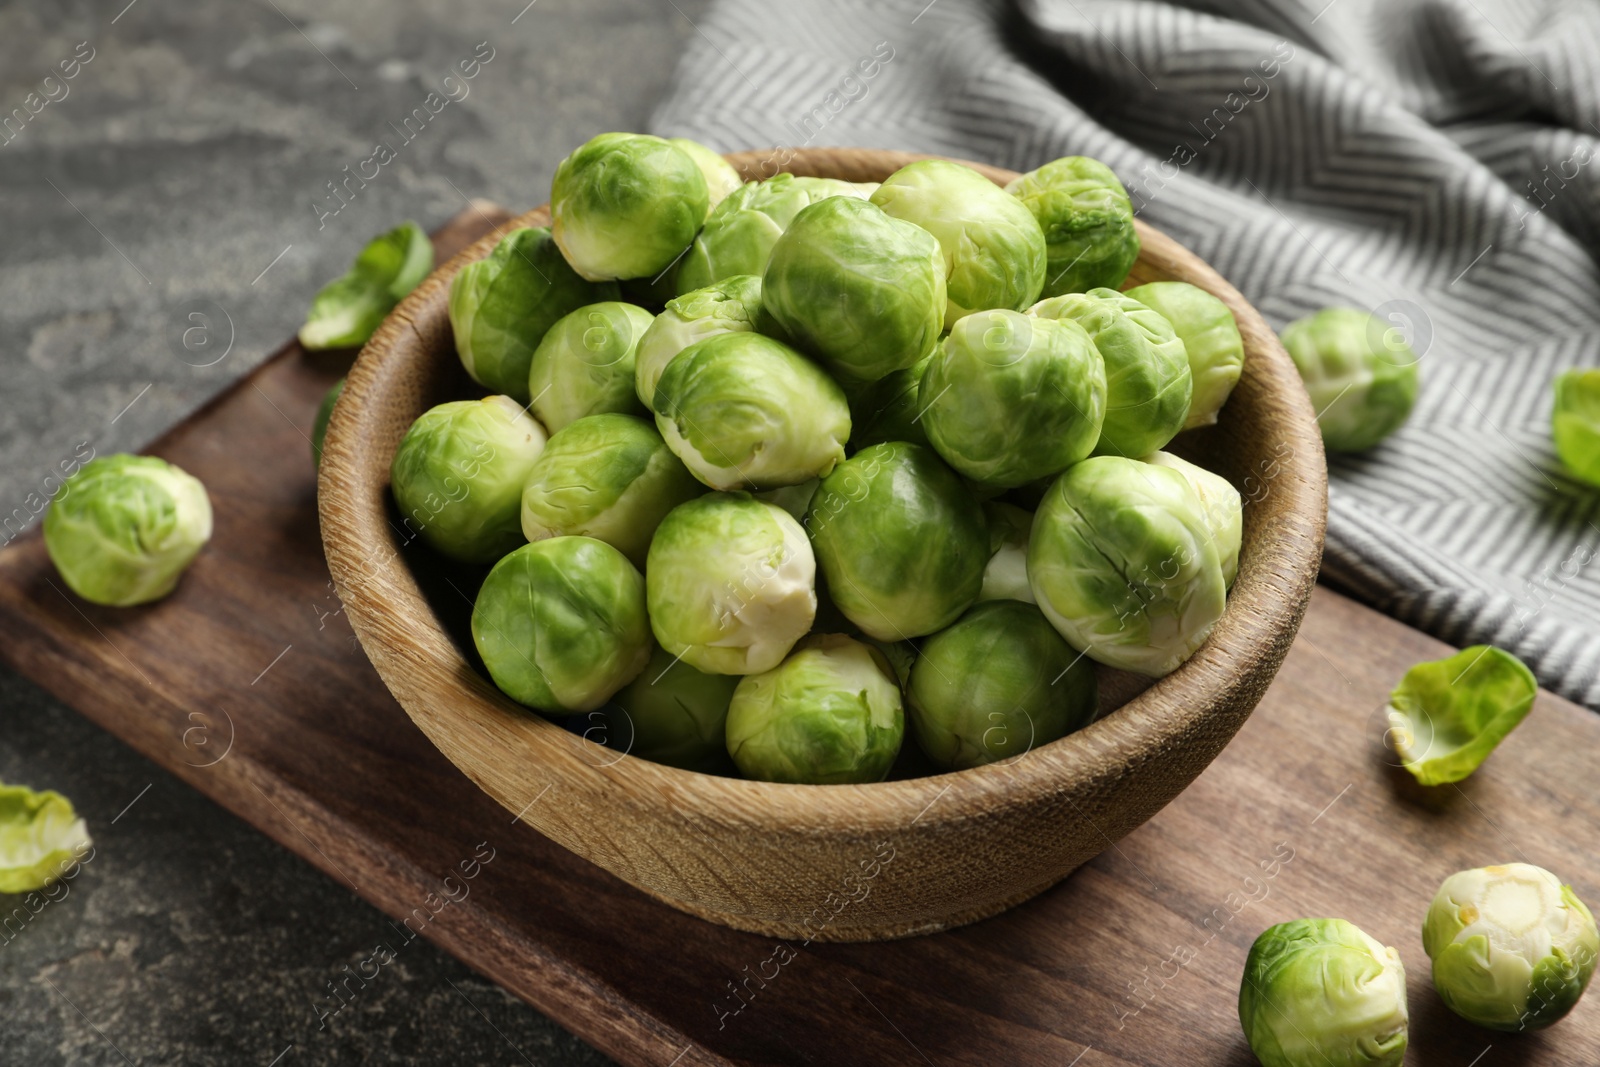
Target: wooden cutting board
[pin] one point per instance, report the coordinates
(247, 683)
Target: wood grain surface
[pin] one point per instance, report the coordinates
(1134, 959)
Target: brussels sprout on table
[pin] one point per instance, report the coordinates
(1210, 338)
(1447, 715)
(732, 305)
(721, 178)
(1010, 398)
(1006, 575)
(900, 540)
(123, 529)
(584, 365)
(1575, 423)
(346, 312)
(41, 838)
(319, 426)
(610, 477)
(1148, 383)
(731, 583)
(744, 411)
(993, 248)
(458, 476)
(1122, 562)
(1220, 504)
(502, 306)
(829, 714)
(997, 684)
(858, 289)
(1361, 375)
(1512, 948)
(675, 714)
(1087, 221)
(1321, 993)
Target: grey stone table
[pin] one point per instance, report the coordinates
(184, 166)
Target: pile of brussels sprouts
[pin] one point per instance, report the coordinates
(882, 452)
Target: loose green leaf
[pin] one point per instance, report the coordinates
(1447, 715)
(348, 310)
(40, 835)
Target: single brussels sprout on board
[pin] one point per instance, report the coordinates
(997, 684)
(319, 426)
(744, 411)
(1512, 948)
(739, 235)
(1010, 398)
(1210, 338)
(123, 529)
(561, 624)
(900, 540)
(1122, 563)
(1361, 375)
(625, 205)
(458, 474)
(887, 409)
(731, 583)
(1575, 423)
(1321, 993)
(585, 364)
(676, 715)
(1148, 384)
(1006, 575)
(732, 305)
(610, 477)
(41, 837)
(994, 251)
(1087, 221)
(858, 289)
(502, 306)
(346, 312)
(1447, 715)
(1220, 504)
(828, 714)
(721, 178)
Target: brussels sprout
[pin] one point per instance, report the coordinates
(862, 291)
(458, 475)
(887, 409)
(502, 306)
(1087, 221)
(744, 411)
(1122, 563)
(1321, 993)
(610, 477)
(1512, 948)
(677, 715)
(40, 838)
(347, 311)
(1447, 715)
(998, 683)
(1009, 398)
(1148, 384)
(123, 528)
(319, 426)
(1575, 423)
(732, 305)
(1006, 576)
(739, 235)
(1221, 506)
(585, 364)
(561, 624)
(731, 583)
(1361, 375)
(829, 714)
(625, 205)
(1210, 339)
(900, 541)
(721, 178)
(994, 254)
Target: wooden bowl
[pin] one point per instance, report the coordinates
(843, 862)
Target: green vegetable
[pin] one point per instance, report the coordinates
(677, 715)
(1087, 221)
(1361, 375)
(1210, 339)
(1512, 948)
(829, 714)
(1321, 993)
(1006, 576)
(1447, 715)
(732, 305)
(625, 205)
(347, 310)
(1575, 423)
(610, 477)
(561, 624)
(1221, 507)
(123, 528)
(887, 409)
(457, 476)
(502, 306)
(40, 837)
(319, 427)
(585, 364)
(721, 178)
(998, 683)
